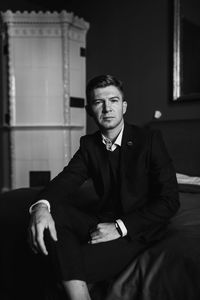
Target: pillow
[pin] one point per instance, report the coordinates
(188, 184)
(186, 179)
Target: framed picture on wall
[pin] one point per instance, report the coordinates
(186, 50)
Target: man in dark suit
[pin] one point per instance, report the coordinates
(135, 180)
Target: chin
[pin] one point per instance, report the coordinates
(108, 126)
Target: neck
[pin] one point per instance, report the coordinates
(112, 134)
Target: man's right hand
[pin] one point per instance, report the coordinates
(41, 219)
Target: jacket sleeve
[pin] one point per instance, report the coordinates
(149, 221)
(66, 182)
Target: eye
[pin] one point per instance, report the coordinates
(97, 102)
(113, 100)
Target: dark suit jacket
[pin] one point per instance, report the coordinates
(148, 190)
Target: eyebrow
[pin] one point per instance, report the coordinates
(94, 99)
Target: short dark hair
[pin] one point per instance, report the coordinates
(100, 82)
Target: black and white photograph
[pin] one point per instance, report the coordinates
(100, 150)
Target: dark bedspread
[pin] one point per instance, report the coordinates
(169, 270)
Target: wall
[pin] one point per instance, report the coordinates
(131, 40)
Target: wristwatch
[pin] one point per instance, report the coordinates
(118, 229)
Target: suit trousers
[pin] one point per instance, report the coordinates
(73, 257)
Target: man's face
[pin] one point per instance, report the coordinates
(107, 107)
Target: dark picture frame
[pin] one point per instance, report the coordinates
(186, 50)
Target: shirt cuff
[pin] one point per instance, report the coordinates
(38, 202)
(122, 227)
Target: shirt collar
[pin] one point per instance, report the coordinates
(118, 140)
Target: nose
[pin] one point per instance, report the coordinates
(106, 106)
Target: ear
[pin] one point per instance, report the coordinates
(125, 104)
(88, 110)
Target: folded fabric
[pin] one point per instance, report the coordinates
(186, 179)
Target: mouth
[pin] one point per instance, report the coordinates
(107, 118)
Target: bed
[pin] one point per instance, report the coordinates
(170, 270)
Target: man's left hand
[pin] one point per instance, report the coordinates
(104, 232)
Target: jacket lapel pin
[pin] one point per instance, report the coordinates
(130, 143)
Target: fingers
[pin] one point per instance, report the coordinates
(52, 230)
(100, 239)
(95, 234)
(104, 232)
(95, 239)
(40, 239)
(98, 235)
(31, 240)
(36, 241)
(38, 224)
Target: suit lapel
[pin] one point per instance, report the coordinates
(128, 164)
(129, 142)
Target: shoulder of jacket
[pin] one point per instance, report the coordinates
(89, 138)
(142, 131)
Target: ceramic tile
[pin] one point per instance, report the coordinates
(54, 110)
(22, 51)
(21, 173)
(37, 110)
(38, 52)
(77, 116)
(31, 110)
(56, 166)
(54, 52)
(75, 140)
(54, 80)
(43, 81)
(39, 165)
(31, 81)
(74, 52)
(21, 145)
(77, 83)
